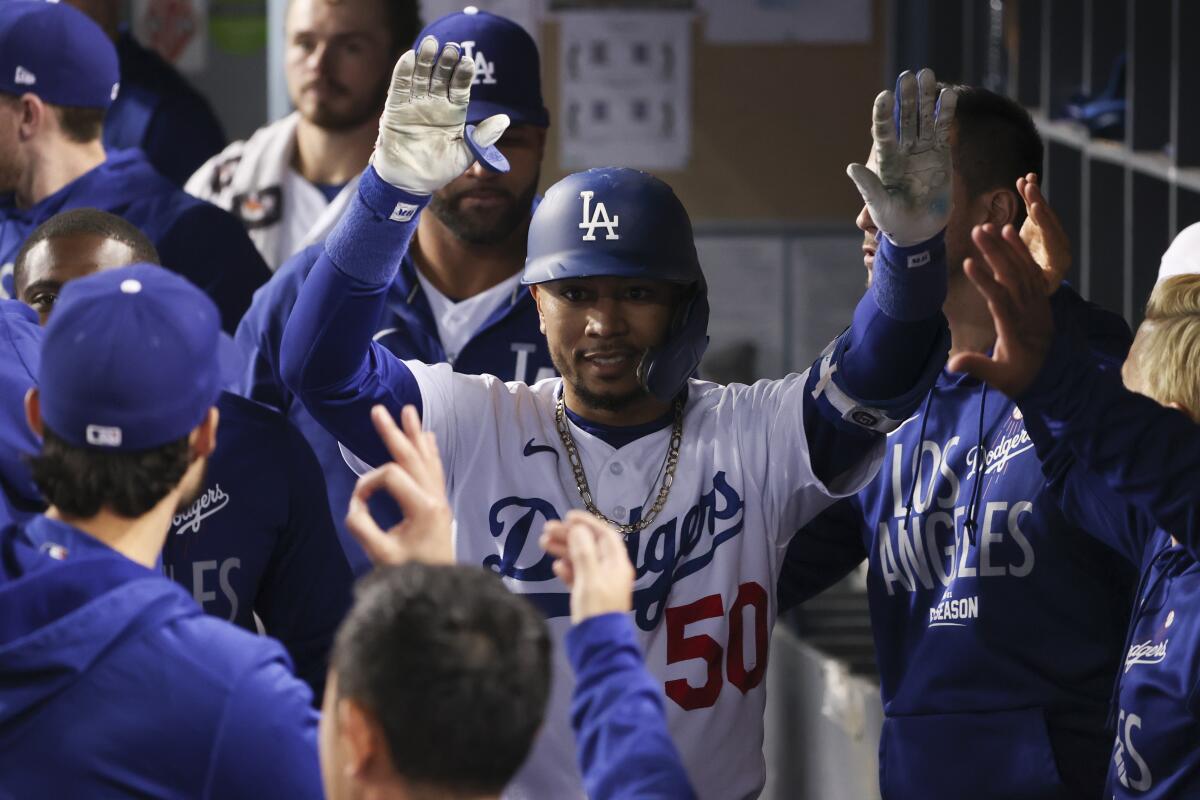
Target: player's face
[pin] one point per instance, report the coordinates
(53, 262)
(10, 164)
(599, 329)
(487, 208)
(339, 61)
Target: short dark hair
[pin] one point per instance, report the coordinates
(88, 221)
(80, 125)
(997, 142)
(455, 668)
(80, 481)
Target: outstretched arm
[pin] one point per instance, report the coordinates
(327, 356)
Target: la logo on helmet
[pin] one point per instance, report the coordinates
(485, 71)
(598, 218)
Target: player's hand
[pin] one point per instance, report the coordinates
(1014, 286)
(416, 482)
(1043, 234)
(421, 145)
(593, 562)
(910, 195)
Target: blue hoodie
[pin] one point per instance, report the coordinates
(20, 350)
(113, 682)
(509, 345)
(998, 621)
(1128, 471)
(196, 239)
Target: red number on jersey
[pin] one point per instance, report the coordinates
(681, 647)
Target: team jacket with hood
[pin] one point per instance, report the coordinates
(1128, 471)
(113, 683)
(20, 350)
(508, 345)
(998, 620)
(195, 239)
(254, 180)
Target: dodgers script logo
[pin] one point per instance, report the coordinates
(209, 503)
(672, 550)
(597, 219)
(485, 71)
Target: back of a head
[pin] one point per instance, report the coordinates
(1168, 344)
(87, 222)
(997, 141)
(455, 668)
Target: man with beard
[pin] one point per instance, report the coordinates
(457, 296)
(289, 182)
(114, 680)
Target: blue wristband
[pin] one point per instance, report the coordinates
(370, 240)
(909, 283)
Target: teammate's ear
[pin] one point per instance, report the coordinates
(33, 116)
(33, 410)
(537, 300)
(1003, 206)
(203, 439)
(360, 734)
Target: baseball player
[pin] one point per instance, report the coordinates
(1128, 470)
(997, 619)
(706, 482)
(157, 110)
(457, 296)
(258, 540)
(290, 181)
(52, 103)
(625, 750)
(113, 682)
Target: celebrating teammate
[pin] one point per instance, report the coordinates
(1128, 471)
(258, 539)
(706, 482)
(52, 104)
(456, 296)
(290, 181)
(997, 619)
(113, 682)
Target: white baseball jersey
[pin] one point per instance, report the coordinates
(254, 180)
(706, 567)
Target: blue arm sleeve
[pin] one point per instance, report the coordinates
(617, 712)
(821, 553)
(879, 370)
(1145, 453)
(307, 588)
(327, 357)
(267, 744)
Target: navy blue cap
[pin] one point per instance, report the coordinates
(132, 359)
(58, 53)
(508, 78)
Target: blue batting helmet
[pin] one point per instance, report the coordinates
(624, 223)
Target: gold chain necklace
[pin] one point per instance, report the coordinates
(581, 482)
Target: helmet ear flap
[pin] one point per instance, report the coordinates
(665, 369)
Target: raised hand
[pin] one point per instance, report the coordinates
(910, 197)
(1043, 234)
(593, 562)
(417, 483)
(422, 142)
(1014, 286)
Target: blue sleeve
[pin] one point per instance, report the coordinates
(1146, 454)
(328, 358)
(181, 136)
(821, 553)
(267, 743)
(210, 248)
(624, 748)
(879, 370)
(307, 587)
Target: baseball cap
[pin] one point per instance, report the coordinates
(56, 52)
(508, 77)
(1183, 256)
(132, 359)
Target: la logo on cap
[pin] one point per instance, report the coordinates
(485, 71)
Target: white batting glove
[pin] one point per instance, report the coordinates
(910, 193)
(421, 145)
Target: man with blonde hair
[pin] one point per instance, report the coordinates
(1123, 462)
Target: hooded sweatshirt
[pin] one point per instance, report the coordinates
(20, 348)
(195, 239)
(113, 683)
(998, 621)
(1128, 471)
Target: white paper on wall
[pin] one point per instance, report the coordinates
(625, 83)
(747, 21)
(746, 292)
(175, 29)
